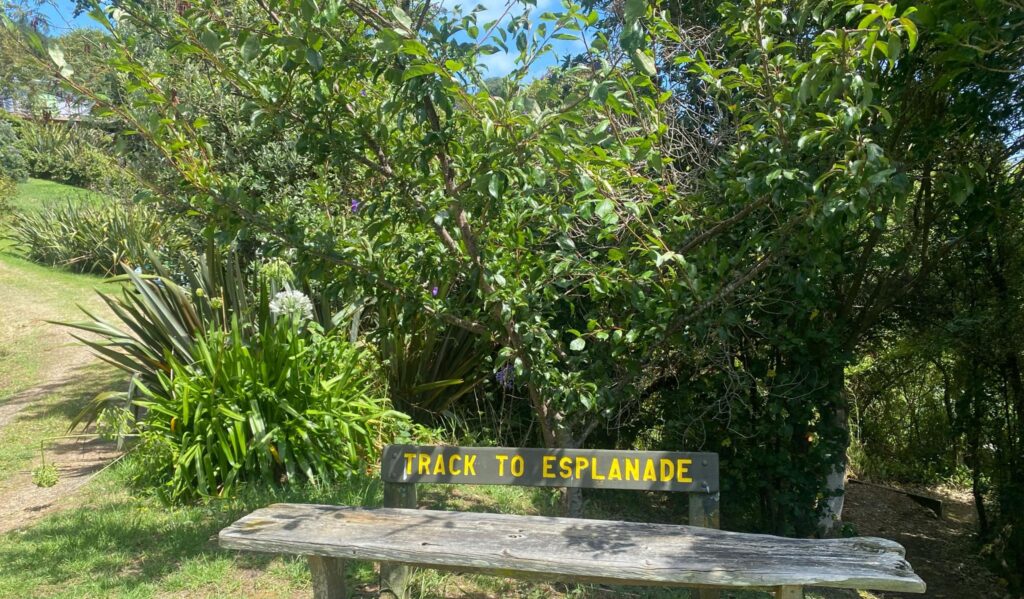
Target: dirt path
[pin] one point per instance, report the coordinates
(46, 368)
(943, 552)
(22, 502)
(62, 365)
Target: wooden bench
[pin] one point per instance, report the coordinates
(562, 549)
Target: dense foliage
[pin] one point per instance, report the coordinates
(234, 382)
(13, 165)
(727, 226)
(94, 238)
(292, 404)
(71, 154)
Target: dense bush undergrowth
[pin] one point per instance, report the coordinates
(95, 239)
(73, 154)
(13, 164)
(690, 235)
(234, 380)
(291, 403)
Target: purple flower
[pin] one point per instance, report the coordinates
(362, 93)
(433, 292)
(355, 204)
(506, 377)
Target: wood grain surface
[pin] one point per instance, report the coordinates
(572, 549)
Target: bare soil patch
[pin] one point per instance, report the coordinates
(45, 367)
(945, 553)
(76, 460)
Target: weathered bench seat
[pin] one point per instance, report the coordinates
(567, 549)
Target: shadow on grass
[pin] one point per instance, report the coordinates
(75, 389)
(110, 546)
(124, 543)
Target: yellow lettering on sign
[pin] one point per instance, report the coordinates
(565, 466)
(682, 468)
(593, 470)
(667, 470)
(423, 463)
(409, 459)
(581, 465)
(518, 465)
(501, 463)
(545, 466)
(439, 465)
(614, 470)
(469, 465)
(649, 474)
(632, 468)
(452, 459)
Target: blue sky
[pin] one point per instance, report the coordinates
(60, 13)
(502, 63)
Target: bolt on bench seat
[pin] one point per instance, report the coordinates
(566, 549)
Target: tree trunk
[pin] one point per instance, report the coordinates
(836, 481)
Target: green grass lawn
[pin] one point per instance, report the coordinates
(36, 193)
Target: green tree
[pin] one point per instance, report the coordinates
(586, 265)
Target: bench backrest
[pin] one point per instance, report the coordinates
(695, 473)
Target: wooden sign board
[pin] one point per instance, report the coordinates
(687, 472)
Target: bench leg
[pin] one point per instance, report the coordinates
(789, 593)
(704, 513)
(394, 581)
(328, 577)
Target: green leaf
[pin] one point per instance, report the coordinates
(251, 48)
(57, 56)
(309, 9)
(494, 186)
(210, 40)
(644, 61)
(419, 70)
(315, 60)
(578, 344)
(402, 17)
(634, 10)
(911, 28)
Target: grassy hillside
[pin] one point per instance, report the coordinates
(36, 193)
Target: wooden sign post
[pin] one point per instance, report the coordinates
(402, 466)
(685, 472)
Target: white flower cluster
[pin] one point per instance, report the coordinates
(292, 303)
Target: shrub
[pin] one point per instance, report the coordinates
(234, 384)
(163, 320)
(293, 404)
(13, 164)
(94, 239)
(430, 365)
(73, 155)
(7, 191)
